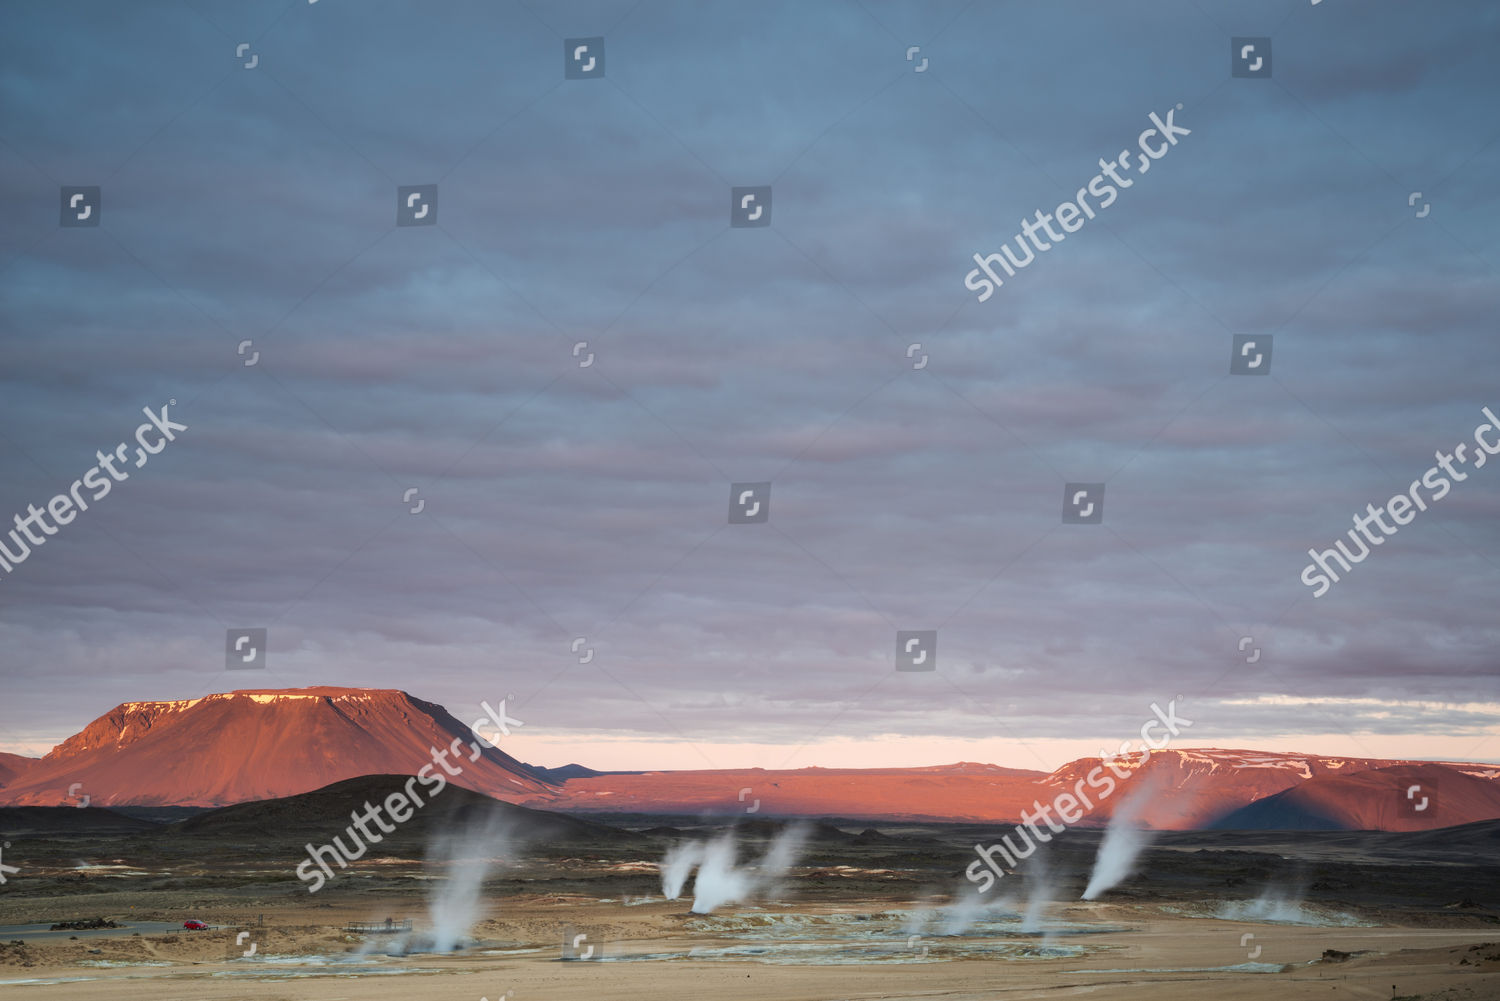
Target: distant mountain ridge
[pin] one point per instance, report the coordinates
(1404, 797)
(266, 744)
(1198, 786)
(1188, 789)
(255, 745)
(12, 766)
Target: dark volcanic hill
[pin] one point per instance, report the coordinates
(256, 745)
(67, 821)
(315, 816)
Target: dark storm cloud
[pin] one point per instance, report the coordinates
(562, 501)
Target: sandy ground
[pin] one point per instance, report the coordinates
(785, 951)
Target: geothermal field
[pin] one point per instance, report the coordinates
(485, 900)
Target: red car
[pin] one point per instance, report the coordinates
(194, 925)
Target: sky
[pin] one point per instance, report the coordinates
(493, 454)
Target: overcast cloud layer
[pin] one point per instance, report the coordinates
(560, 500)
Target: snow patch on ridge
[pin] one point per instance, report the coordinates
(178, 705)
(258, 697)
